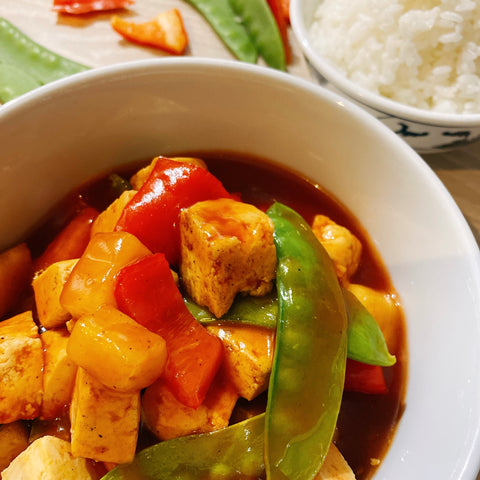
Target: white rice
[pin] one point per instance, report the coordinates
(423, 53)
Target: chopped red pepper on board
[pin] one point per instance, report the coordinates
(166, 31)
(77, 7)
(152, 214)
(278, 10)
(364, 378)
(70, 242)
(146, 291)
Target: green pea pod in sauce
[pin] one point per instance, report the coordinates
(230, 453)
(306, 383)
(366, 342)
(260, 23)
(26, 65)
(222, 19)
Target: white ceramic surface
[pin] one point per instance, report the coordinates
(425, 131)
(60, 135)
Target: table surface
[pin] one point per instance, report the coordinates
(89, 39)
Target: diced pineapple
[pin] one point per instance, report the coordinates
(107, 219)
(226, 248)
(167, 418)
(49, 458)
(141, 176)
(58, 374)
(15, 271)
(47, 287)
(92, 281)
(21, 365)
(104, 423)
(13, 441)
(116, 350)
(248, 356)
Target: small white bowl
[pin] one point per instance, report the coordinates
(425, 131)
(60, 135)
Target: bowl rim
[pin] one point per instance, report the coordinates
(361, 94)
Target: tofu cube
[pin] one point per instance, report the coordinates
(248, 357)
(21, 365)
(226, 248)
(49, 458)
(104, 423)
(107, 220)
(47, 286)
(335, 467)
(167, 418)
(58, 374)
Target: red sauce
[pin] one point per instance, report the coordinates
(367, 422)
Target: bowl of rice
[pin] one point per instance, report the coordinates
(413, 64)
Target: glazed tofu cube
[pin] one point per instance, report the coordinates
(13, 441)
(104, 423)
(116, 350)
(49, 458)
(58, 374)
(47, 286)
(141, 176)
(342, 246)
(226, 248)
(167, 418)
(107, 220)
(248, 357)
(21, 365)
(335, 467)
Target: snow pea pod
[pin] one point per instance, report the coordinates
(233, 452)
(258, 311)
(30, 64)
(221, 17)
(260, 23)
(307, 378)
(366, 342)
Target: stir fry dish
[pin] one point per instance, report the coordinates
(197, 318)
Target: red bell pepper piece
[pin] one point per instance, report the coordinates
(146, 291)
(360, 377)
(278, 10)
(166, 31)
(85, 6)
(152, 214)
(70, 242)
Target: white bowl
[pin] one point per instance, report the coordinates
(426, 131)
(62, 134)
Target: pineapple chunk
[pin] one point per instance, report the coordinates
(116, 350)
(15, 271)
(13, 441)
(167, 418)
(107, 220)
(248, 356)
(58, 374)
(49, 458)
(92, 281)
(21, 365)
(104, 423)
(226, 248)
(47, 286)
